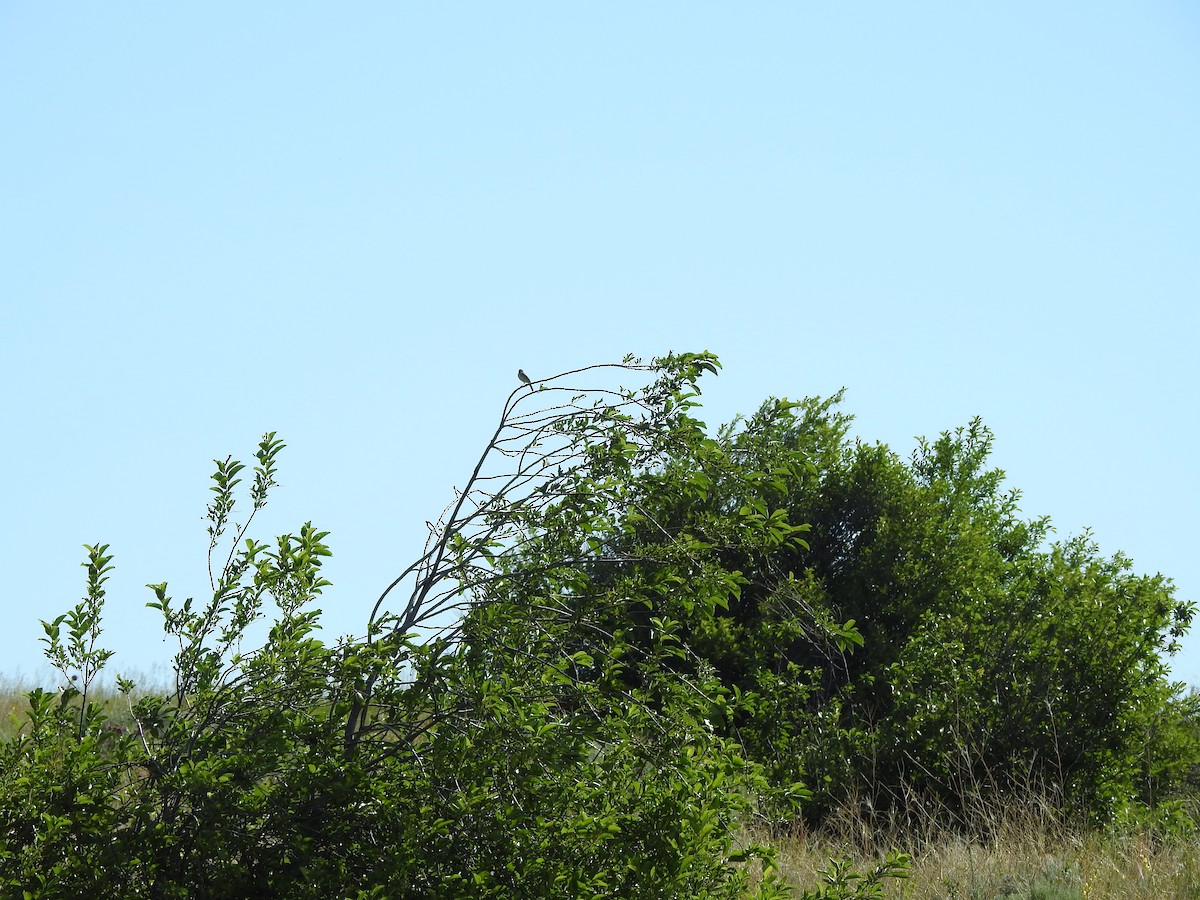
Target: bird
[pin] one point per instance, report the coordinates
(524, 378)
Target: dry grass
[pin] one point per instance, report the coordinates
(14, 704)
(1027, 857)
(1080, 867)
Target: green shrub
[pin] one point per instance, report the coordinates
(924, 644)
(499, 734)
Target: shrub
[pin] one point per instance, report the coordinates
(498, 734)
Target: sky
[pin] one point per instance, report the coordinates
(350, 224)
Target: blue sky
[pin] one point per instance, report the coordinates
(351, 224)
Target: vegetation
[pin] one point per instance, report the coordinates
(984, 663)
(627, 646)
(1026, 859)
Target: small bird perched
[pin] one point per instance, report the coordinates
(524, 378)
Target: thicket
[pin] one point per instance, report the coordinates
(625, 641)
(496, 732)
(978, 664)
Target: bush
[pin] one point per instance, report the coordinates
(500, 734)
(924, 640)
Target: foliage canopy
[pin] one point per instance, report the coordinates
(625, 640)
(977, 661)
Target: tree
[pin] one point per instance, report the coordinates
(988, 661)
(525, 722)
